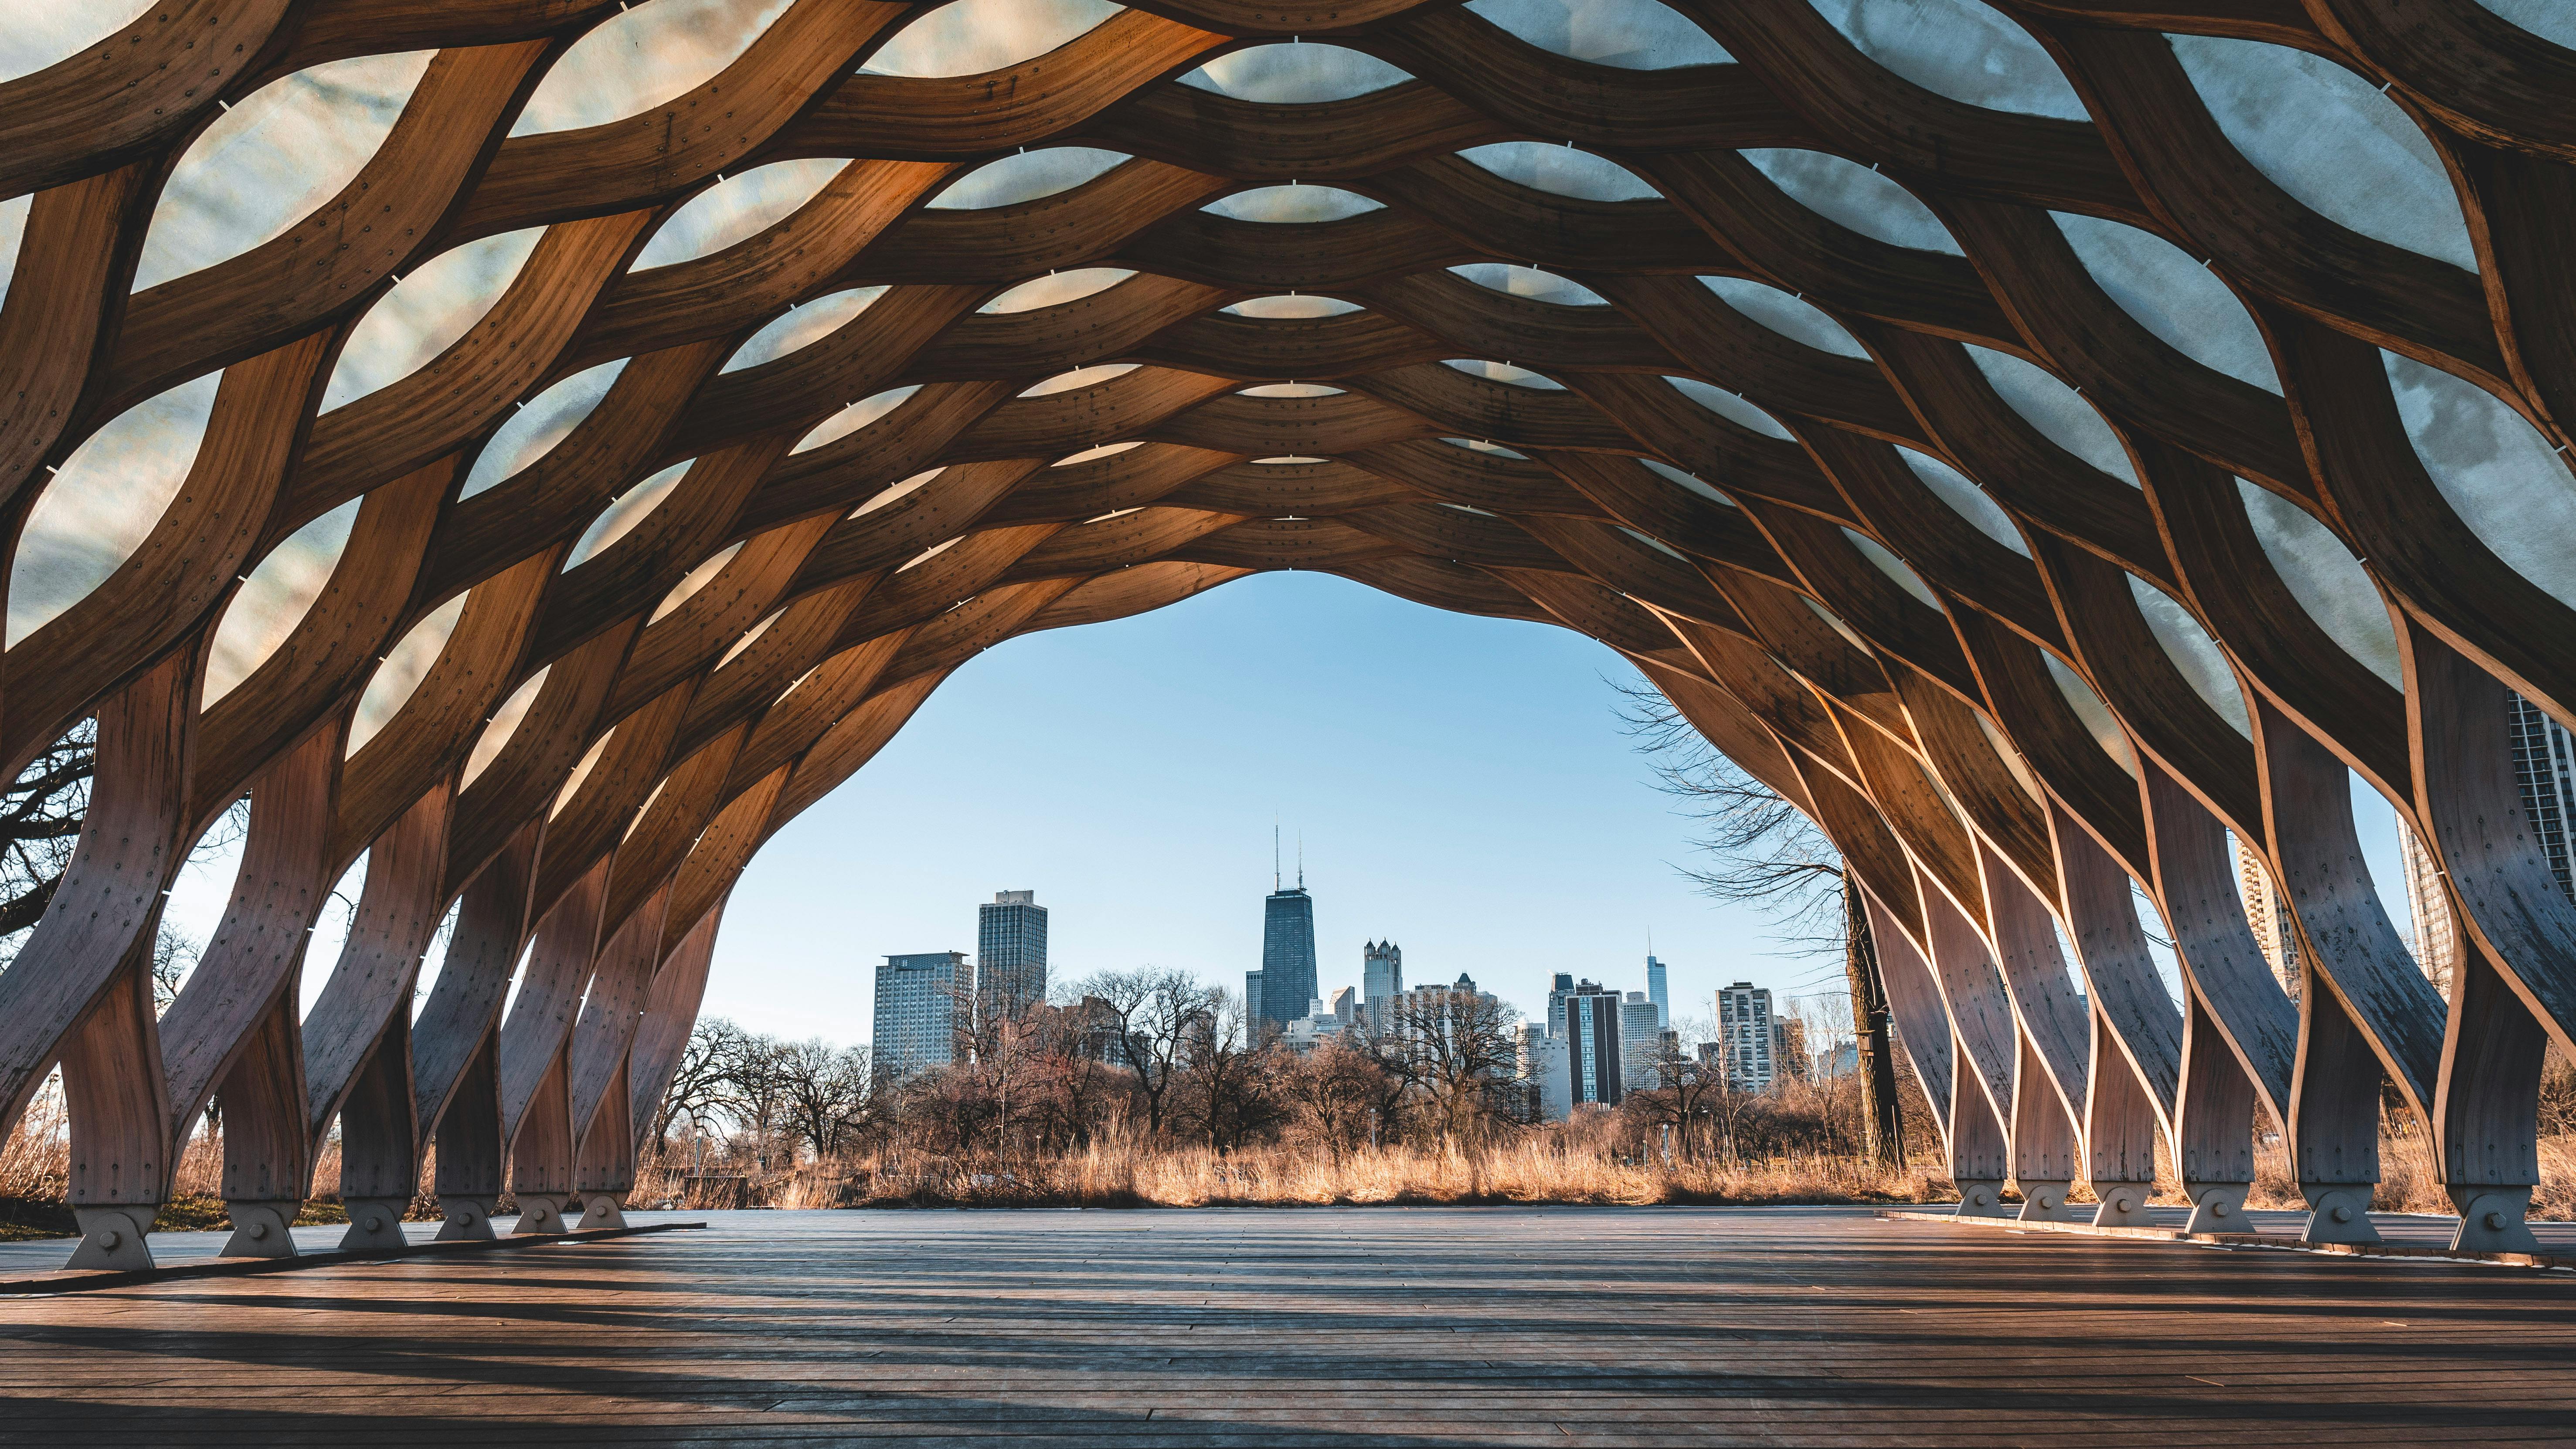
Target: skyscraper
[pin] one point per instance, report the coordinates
(1639, 1026)
(2269, 916)
(1542, 1063)
(1010, 955)
(1591, 1044)
(1560, 989)
(2544, 766)
(916, 1011)
(1745, 1036)
(2437, 939)
(1287, 950)
(1655, 991)
(1254, 1010)
(1381, 973)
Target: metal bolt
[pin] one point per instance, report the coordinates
(2342, 1214)
(110, 1238)
(2218, 1209)
(255, 1231)
(2495, 1222)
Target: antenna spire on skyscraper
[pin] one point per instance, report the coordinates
(1274, 853)
(1301, 857)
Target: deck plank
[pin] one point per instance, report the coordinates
(1563, 1326)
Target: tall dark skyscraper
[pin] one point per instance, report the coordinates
(1010, 954)
(1287, 949)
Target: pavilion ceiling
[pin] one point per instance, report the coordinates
(554, 443)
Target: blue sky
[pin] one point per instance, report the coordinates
(1462, 786)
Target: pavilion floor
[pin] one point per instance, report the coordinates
(1608, 1326)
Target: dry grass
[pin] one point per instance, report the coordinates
(1528, 1170)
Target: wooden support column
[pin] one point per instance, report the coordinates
(2365, 1010)
(2134, 1062)
(602, 1095)
(2515, 987)
(2240, 1033)
(357, 1042)
(536, 1098)
(232, 1034)
(2054, 1041)
(662, 1037)
(81, 992)
(456, 1058)
(1986, 1042)
(1914, 1002)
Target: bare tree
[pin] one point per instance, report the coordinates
(1453, 1048)
(1331, 1091)
(1228, 1071)
(1156, 1010)
(821, 1087)
(1761, 850)
(1682, 1089)
(702, 1085)
(40, 821)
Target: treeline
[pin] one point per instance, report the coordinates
(1157, 1058)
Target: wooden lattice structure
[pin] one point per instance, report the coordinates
(2035, 484)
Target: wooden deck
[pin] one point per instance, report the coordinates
(1376, 1326)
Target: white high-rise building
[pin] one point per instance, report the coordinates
(2269, 916)
(2437, 938)
(916, 1011)
(1745, 1036)
(1381, 974)
(1543, 1064)
(1640, 1043)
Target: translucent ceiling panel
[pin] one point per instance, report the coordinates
(2193, 652)
(426, 312)
(1626, 34)
(2549, 19)
(1297, 306)
(274, 159)
(690, 582)
(854, 417)
(1503, 372)
(1530, 282)
(1026, 177)
(2172, 296)
(735, 209)
(2329, 138)
(401, 672)
(971, 37)
(1292, 203)
(1894, 567)
(504, 724)
(13, 230)
(539, 424)
(623, 513)
(1856, 196)
(1295, 73)
(41, 35)
(1789, 316)
(2495, 468)
(1289, 389)
(803, 327)
(1960, 49)
(1057, 288)
(1080, 377)
(1966, 499)
(642, 57)
(1732, 407)
(275, 598)
(2326, 579)
(1691, 481)
(2059, 412)
(1561, 171)
(102, 503)
(2095, 715)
